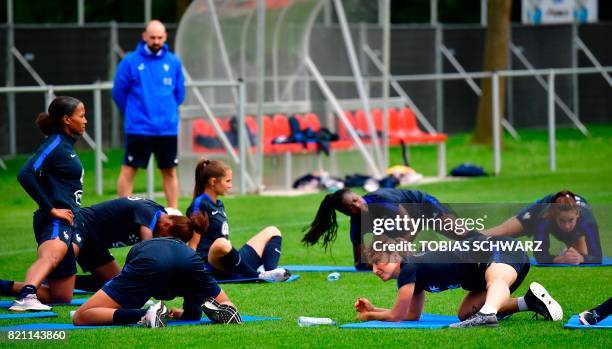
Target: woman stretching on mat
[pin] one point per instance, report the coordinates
(163, 268)
(115, 223)
(213, 179)
(386, 202)
(53, 177)
(564, 215)
(489, 278)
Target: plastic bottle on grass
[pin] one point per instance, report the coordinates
(305, 321)
(335, 276)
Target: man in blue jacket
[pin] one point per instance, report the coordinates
(149, 87)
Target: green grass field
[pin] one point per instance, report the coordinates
(584, 166)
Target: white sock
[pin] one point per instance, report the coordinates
(522, 305)
(487, 309)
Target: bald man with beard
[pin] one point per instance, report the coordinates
(148, 88)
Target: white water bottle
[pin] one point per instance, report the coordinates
(335, 276)
(305, 321)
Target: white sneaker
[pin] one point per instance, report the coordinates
(275, 275)
(156, 316)
(29, 302)
(539, 301)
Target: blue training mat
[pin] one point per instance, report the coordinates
(250, 280)
(315, 268)
(27, 315)
(67, 327)
(426, 321)
(605, 262)
(77, 291)
(574, 323)
(76, 301)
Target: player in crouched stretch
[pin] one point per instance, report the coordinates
(564, 215)
(213, 178)
(391, 202)
(114, 223)
(163, 268)
(53, 177)
(489, 285)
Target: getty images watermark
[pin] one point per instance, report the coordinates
(406, 227)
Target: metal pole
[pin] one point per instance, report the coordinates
(483, 13)
(433, 12)
(542, 82)
(261, 85)
(327, 13)
(496, 125)
(147, 11)
(112, 69)
(222, 49)
(593, 60)
(575, 93)
(10, 79)
(98, 138)
(400, 91)
(329, 95)
(385, 8)
(243, 42)
(439, 83)
(474, 86)
(242, 138)
(510, 86)
(276, 36)
(552, 162)
(81, 12)
(150, 179)
(363, 62)
(350, 51)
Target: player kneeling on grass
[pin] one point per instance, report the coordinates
(489, 286)
(114, 223)
(163, 268)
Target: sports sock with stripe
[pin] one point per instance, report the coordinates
(522, 305)
(26, 290)
(272, 253)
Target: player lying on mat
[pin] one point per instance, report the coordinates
(163, 268)
(114, 223)
(396, 201)
(564, 215)
(489, 285)
(258, 258)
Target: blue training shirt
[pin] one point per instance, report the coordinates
(585, 226)
(428, 273)
(532, 214)
(148, 89)
(534, 224)
(218, 226)
(117, 222)
(391, 199)
(53, 176)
